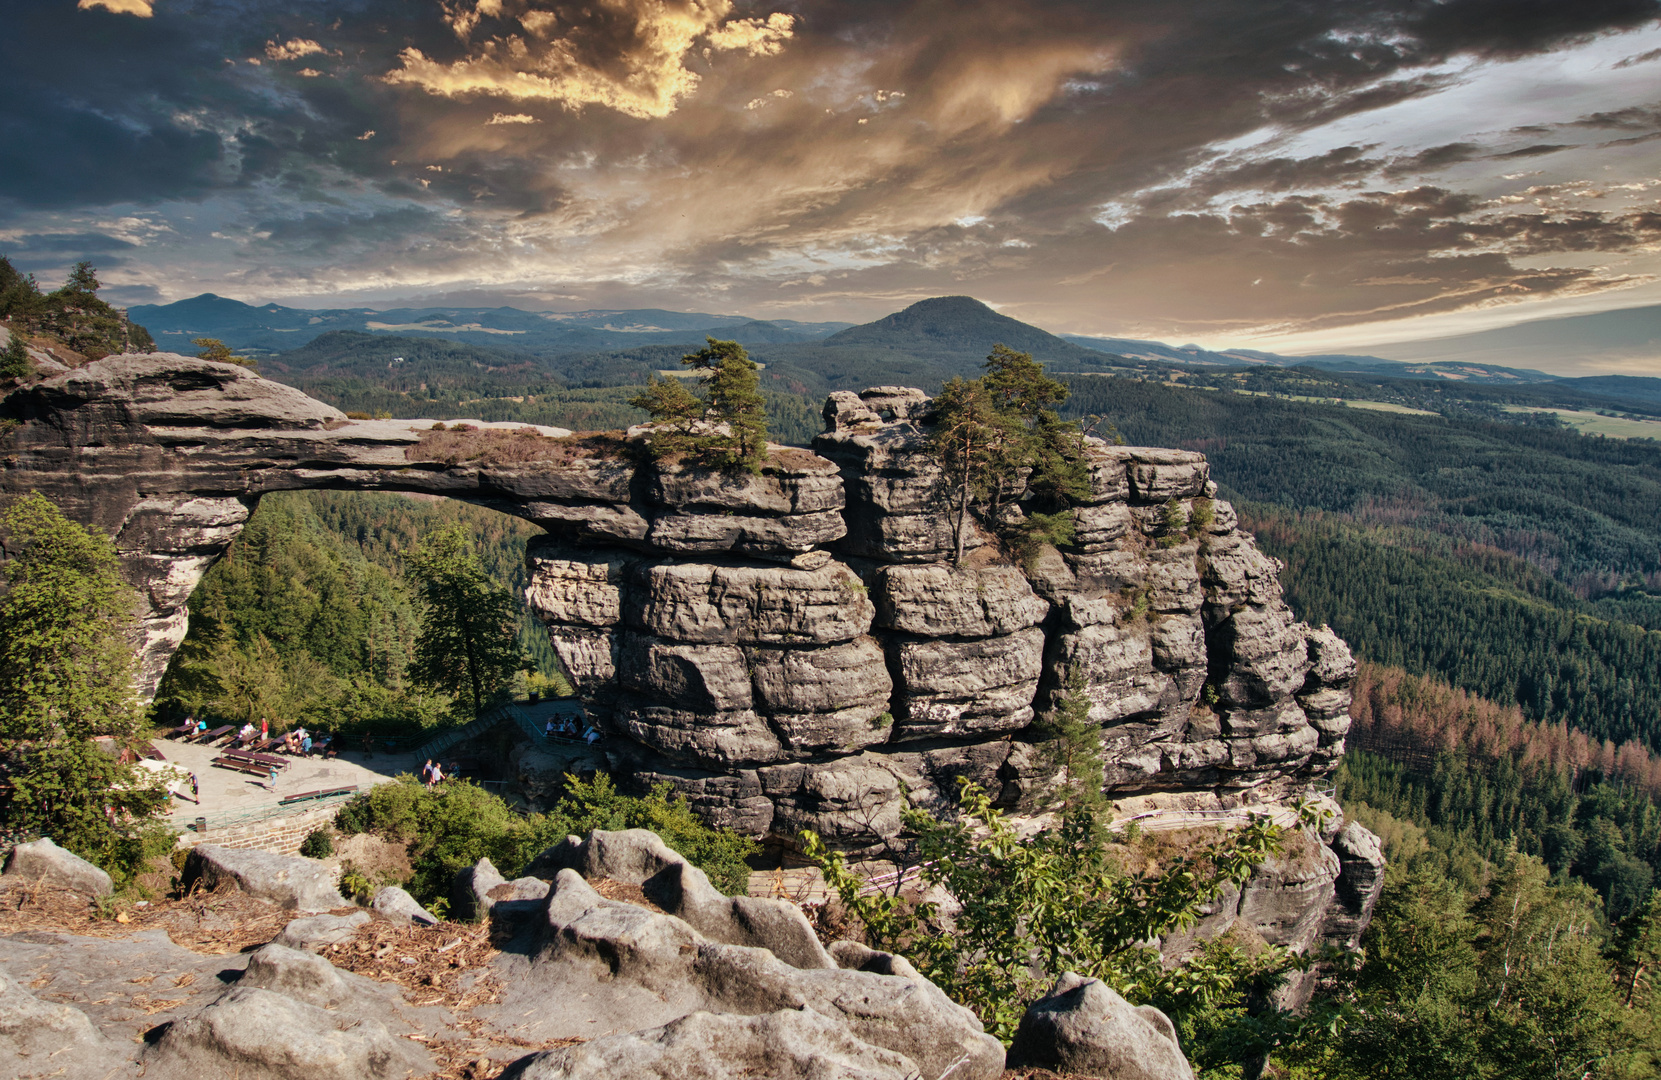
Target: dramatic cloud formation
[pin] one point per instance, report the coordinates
(1279, 172)
(628, 55)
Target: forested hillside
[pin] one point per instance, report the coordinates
(309, 619)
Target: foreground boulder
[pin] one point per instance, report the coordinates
(785, 1045)
(38, 1038)
(303, 884)
(256, 1034)
(1083, 1026)
(635, 977)
(639, 857)
(45, 862)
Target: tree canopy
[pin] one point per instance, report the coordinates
(469, 640)
(998, 439)
(66, 676)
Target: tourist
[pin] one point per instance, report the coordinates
(195, 794)
(271, 780)
(305, 746)
(427, 773)
(265, 728)
(437, 777)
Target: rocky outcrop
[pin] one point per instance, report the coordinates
(1083, 1027)
(45, 863)
(303, 884)
(670, 986)
(787, 650)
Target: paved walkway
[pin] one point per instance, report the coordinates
(226, 790)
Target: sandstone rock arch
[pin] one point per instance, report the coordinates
(787, 650)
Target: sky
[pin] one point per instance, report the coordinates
(1305, 175)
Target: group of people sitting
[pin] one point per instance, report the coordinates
(299, 742)
(568, 727)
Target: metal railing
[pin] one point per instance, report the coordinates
(226, 819)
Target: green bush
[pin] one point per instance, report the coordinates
(318, 844)
(1029, 909)
(454, 825)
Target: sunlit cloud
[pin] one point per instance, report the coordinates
(627, 55)
(142, 8)
(293, 49)
(511, 118)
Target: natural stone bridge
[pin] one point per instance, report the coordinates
(787, 649)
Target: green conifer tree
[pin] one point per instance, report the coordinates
(14, 361)
(733, 407)
(469, 642)
(66, 676)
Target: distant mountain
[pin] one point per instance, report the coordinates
(1568, 346)
(1628, 387)
(961, 328)
(275, 328)
(1194, 355)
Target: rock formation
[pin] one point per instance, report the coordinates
(681, 982)
(788, 649)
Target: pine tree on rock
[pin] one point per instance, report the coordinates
(733, 434)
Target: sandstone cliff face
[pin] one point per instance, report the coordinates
(787, 649)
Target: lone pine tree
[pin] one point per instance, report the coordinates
(725, 429)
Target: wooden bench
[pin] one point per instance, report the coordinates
(241, 764)
(327, 793)
(250, 763)
(211, 736)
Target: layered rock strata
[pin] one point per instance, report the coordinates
(791, 649)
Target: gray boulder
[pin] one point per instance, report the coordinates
(45, 862)
(302, 976)
(316, 931)
(304, 884)
(256, 1034)
(400, 906)
(1083, 1026)
(639, 857)
(788, 1044)
(38, 1038)
(655, 969)
(470, 891)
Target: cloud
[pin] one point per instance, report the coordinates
(627, 55)
(293, 49)
(511, 118)
(142, 8)
(758, 37)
